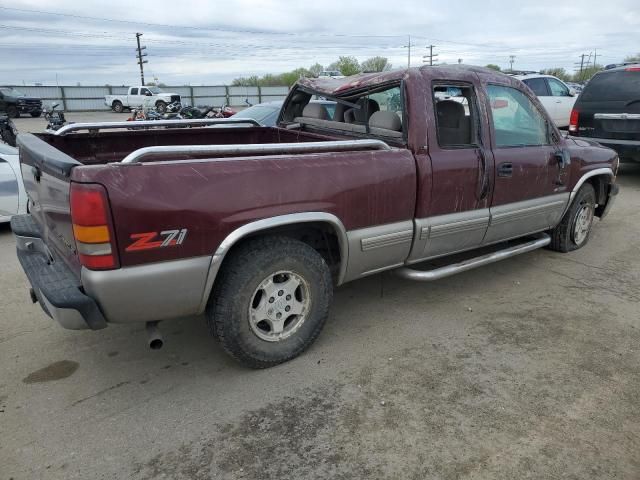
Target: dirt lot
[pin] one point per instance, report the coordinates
(526, 369)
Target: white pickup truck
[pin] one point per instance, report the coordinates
(141, 96)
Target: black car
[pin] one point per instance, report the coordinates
(13, 102)
(608, 111)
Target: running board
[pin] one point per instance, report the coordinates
(542, 240)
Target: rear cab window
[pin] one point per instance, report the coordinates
(456, 115)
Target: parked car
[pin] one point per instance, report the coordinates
(13, 199)
(141, 96)
(577, 87)
(266, 113)
(554, 94)
(608, 111)
(254, 226)
(331, 74)
(13, 102)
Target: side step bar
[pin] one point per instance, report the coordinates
(438, 273)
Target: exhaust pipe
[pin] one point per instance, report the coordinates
(154, 337)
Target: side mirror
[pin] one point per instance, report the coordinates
(572, 92)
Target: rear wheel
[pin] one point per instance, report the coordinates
(270, 301)
(573, 231)
(12, 111)
(117, 106)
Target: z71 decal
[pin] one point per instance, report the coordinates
(150, 240)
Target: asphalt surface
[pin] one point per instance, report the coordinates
(525, 369)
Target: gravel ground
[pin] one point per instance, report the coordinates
(525, 369)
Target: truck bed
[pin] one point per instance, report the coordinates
(114, 146)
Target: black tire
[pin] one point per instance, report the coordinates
(117, 106)
(12, 111)
(235, 297)
(565, 238)
(36, 114)
(161, 107)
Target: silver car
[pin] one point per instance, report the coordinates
(13, 199)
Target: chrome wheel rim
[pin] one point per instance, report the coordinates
(279, 306)
(582, 224)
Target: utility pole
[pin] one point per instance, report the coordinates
(140, 60)
(408, 46)
(511, 59)
(431, 57)
(580, 65)
(595, 55)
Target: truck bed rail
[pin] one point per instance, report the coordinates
(256, 149)
(198, 122)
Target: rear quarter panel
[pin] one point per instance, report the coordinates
(211, 198)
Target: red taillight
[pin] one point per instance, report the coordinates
(573, 121)
(92, 226)
(632, 69)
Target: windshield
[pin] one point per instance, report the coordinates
(154, 90)
(263, 114)
(11, 91)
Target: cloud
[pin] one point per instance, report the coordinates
(214, 41)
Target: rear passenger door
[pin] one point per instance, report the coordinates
(455, 214)
(528, 194)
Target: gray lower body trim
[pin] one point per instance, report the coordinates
(378, 248)
(157, 291)
(445, 234)
(522, 218)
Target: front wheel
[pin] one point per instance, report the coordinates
(161, 107)
(270, 301)
(12, 111)
(117, 107)
(36, 114)
(575, 227)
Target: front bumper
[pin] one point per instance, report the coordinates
(613, 193)
(29, 107)
(54, 285)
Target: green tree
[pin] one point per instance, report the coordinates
(587, 73)
(315, 69)
(493, 66)
(558, 72)
(633, 58)
(346, 65)
(375, 64)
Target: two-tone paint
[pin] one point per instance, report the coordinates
(387, 208)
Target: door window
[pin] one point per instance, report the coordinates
(134, 91)
(538, 85)
(144, 91)
(456, 116)
(516, 120)
(558, 89)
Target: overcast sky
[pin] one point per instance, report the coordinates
(213, 41)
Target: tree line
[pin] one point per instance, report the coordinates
(349, 65)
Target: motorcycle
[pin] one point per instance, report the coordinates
(8, 131)
(55, 119)
(223, 112)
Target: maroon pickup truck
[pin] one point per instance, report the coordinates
(253, 226)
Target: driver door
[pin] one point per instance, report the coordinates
(528, 195)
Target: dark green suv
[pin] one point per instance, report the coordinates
(13, 102)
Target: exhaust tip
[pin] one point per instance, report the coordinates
(154, 337)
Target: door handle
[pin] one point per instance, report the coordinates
(505, 169)
(483, 180)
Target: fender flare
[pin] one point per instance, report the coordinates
(266, 224)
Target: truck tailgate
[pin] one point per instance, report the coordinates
(46, 174)
(618, 126)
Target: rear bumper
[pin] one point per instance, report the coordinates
(624, 148)
(56, 288)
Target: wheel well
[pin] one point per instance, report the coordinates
(321, 236)
(160, 101)
(116, 101)
(600, 184)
